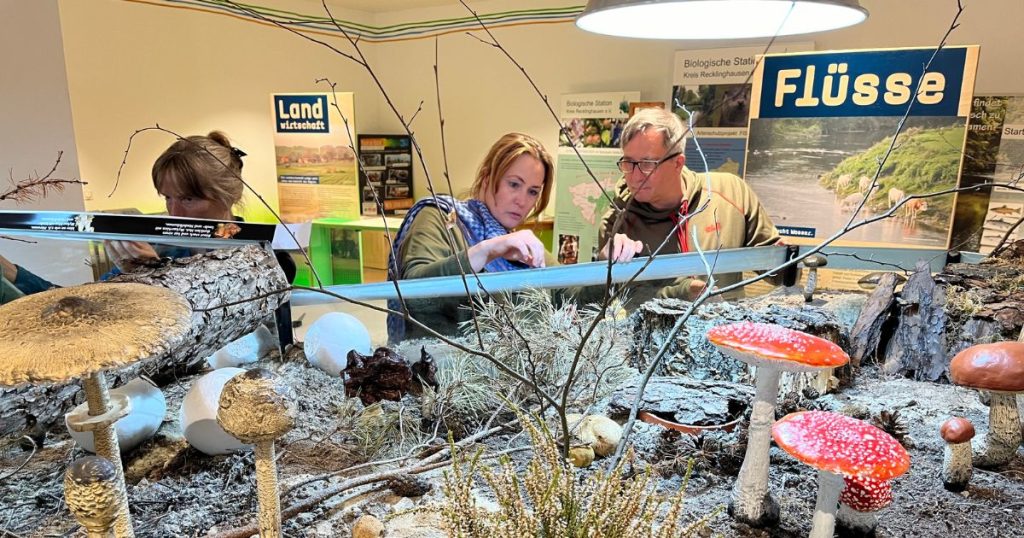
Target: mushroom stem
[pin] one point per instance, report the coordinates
(956, 466)
(751, 502)
(856, 523)
(830, 485)
(266, 490)
(105, 440)
(812, 282)
(1004, 435)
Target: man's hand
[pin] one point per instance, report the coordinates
(623, 248)
(126, 254)
(521, 246)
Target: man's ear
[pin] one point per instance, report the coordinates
(680, 161)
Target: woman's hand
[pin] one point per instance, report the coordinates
(623, 248)
(126, 254)
(521, 246)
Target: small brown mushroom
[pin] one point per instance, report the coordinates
(812, 262)
(92, 492)
(957, 466)
(870, 281)
(999, 369)
(72, 333)
(257, 408)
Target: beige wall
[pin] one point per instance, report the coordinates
(35, 124)
(133, 65)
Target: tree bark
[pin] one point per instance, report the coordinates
(867, 331)
(918, 346)
(207, 280)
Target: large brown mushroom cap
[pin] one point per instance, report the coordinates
(69, 333)
(998, 367)
(764, 344)
(256, 406)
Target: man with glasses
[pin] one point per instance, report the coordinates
(659, 198)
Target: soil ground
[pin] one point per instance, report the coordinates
(177, 491)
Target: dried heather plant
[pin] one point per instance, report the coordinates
(549, 499)
(539, 339)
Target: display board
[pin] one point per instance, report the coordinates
(387, 171)
(821, 123)
(595, 122)
(316, 166)
(714, 86)
(994, 154)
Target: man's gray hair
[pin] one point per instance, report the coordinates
(659, 120)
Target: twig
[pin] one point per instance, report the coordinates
(24, 463)
(32, 188)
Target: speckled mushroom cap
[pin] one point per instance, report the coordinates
(763, 344)
(91, 490)
(957, 430)
(866, 494)
(841, 445)
(998, 367)
(69, 333)
(256, 406)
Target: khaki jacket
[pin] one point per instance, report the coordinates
(733, 218)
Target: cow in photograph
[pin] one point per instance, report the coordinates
(843, 183)
(912, 208)
(851, 202)
(864, 183)
(895, 195)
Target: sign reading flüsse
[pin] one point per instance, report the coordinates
(866, 83)
(301, 114)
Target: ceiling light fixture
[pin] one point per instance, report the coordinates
(717, 19)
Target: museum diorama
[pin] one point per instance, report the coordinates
(787, 300)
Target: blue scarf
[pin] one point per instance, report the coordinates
(476, 224)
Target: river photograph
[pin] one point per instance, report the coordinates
(815, 172)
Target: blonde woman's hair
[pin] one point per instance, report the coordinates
(206, 167)
(500, 157)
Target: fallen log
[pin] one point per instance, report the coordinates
(207, 281)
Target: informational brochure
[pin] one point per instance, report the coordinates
(387, 173)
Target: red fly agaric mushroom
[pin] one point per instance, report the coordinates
(65, 334)
(999, 369)
(257, 408)
(844, 450)
(957, 466)
(772, 350)
(859, 501)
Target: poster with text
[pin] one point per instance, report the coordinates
(711, 88)
(594, 122)
(822, 122)
(994, 154)
(386, 181)
(316, 167)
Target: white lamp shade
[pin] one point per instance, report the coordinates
(199, 414)
(717, 19)
(331, 337)
(148, 409)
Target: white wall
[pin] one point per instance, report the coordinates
(132, 65)
(35, 126)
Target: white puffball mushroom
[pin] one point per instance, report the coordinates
(199, 414)
(331, 337)
(148, 407)
(245, 350)
(601, 433)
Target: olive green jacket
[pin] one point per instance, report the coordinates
(426, 252)
(733, 218)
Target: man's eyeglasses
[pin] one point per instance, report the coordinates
(647, 167)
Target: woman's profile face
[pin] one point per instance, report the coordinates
(518, 191)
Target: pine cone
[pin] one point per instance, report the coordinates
(408, 485)
(892, 424)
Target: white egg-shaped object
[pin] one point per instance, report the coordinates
(247, 349)
(331, 337)
(199, 414)
(147, 413)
